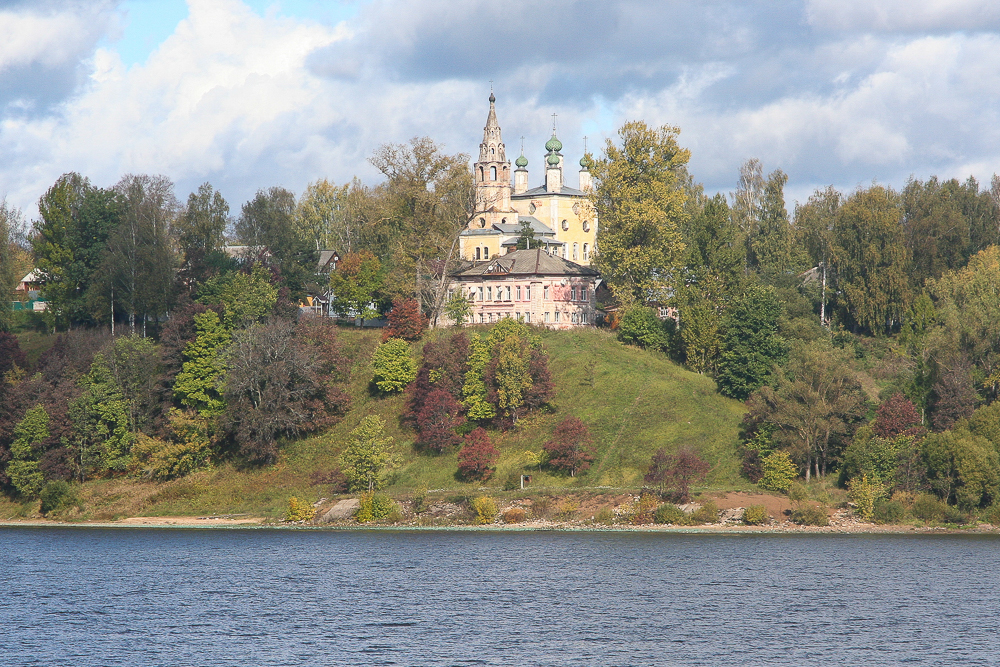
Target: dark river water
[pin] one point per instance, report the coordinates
(82, 597)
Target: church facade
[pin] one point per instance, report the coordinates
(561, 217)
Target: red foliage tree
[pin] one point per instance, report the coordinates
(437, 420)
(659, 466)
(686, 467)
(443, 367)
(405, 321)
(477, 458)
(571, 448)
(541, 390)
(897, 416)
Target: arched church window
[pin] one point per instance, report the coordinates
(565, 225)
(586, 225)
(576, 208)
(477, 254)
(493, 173)
(531, 208)
(586, 252)
(482, 222)
(576, 252)
(482, 174)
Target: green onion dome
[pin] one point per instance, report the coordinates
(553, 145)
(521, 162)
(585, 162)
(552, 159)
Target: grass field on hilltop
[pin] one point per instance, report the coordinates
(633, 401)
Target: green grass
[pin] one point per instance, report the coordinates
(633, 401)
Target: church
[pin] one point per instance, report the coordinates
(562, 217)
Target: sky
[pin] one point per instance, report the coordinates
(256, 93)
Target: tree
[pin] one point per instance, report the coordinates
(814, 224)
(458, 309)
(267, 225)
(526, 237)
(871, 259)
(478, 456)
(200, 231)
(815, 403)
(507, 375)
(12, 256)
(355, 284)
(751, 344)
(276, 385)
(440, 414)
(247, 296)
(393, 366)
(685, 468)
(639, 196)
(405, 321)
(320, 216)
(897, 416)
(659, 468)
(937, 233)
(369, 456)
(474, 391)
(953, 396)
(639, 325)
(200, 382)
(103, 433)
(23, 471)
(134, 365)
(571, 448)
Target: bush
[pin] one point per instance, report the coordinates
(299, 510)
(756, 515)
(865, 493)
(57, 496)
(478, 456)
(707, 513)
(992, 515)
(605, 517)
(954, 515)
(890, 511)
(514, 515)
(670, 513)
(928, 508)
(779, 471)
(566, 511)
(393, 366)
(405, 321)
(375, 507)
(642, 509)
(485, 508)
(571, 449)
(811, 516)
(639, 325)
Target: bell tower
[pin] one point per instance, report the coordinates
(492, 170)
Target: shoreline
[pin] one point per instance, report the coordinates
(261, 523)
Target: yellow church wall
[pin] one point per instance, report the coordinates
(553, 209)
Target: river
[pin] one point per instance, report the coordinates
(99, 597)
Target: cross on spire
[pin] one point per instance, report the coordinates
(554, 123)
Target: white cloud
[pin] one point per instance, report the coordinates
(903, 15)
(51, 38)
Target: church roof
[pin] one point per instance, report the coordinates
(537, 226)
(527, 262)
(540, 191)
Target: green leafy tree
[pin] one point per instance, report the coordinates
(640, 197)
(267, 225)
(814, 223)
(751, 344)
(199, 384)
(510, 376)
(526, 237)
(393, 366)
(200, 230)
(779, 471)
(356, 284)
(321, 218)
(369, 456)
(458, 309)
(25, 475)
(477, 406)
(871, 259)
(639, 325)
(937, 232)
(12, 258)
(102, 430)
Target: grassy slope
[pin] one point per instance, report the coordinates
(638, 402)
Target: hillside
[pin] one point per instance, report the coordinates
(633, 401)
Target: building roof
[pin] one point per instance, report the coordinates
(540, 191)
(529, 263)
(537, 226)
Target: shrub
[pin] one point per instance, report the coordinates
(405, 321)
(57, 496)
(393, 366)
(811, 516)
(437, 420)
(865, 493)
(756, 515)
(992, 515)
(478, 456)
(374, 507)
(639, 325)
(928, 508)
(642, 509)
(566, 511)
(676, 472)
(514, 515)
(779, 471)
(299, 510)
(889, 511)
(670, 513)
(954, 515)
(606, 516)
(485, 508)
(571, 449)
(707, 513)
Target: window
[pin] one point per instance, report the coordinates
(576, 208)
(565, 251)
(518, 292)
(493, 173)
(583, 293)
(586, 225)
(546, 316)
(573, 318)
(477, 253)
(482, 318)
(573, 292)
(527, 293)
(480, 293)
(583, 318)
(531, 208)
(508, 293)
(517, 314)
(576, 251)
(565, 225)
(586, 253)
(527, 318)
(545, 292)
(557, 316)
(489, 293)
(482, 222)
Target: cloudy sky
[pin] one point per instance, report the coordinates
(247, 94)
